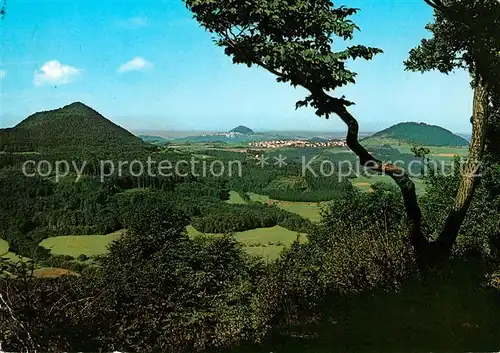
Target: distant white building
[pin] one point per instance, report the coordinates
(297, 143)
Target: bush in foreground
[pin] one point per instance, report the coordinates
(156, 290)
(337, 263)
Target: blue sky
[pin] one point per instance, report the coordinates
(145, 64)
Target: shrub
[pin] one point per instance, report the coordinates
(82, 258)
(156, 290)
(479, 235)
(166, 292)
(339, 261)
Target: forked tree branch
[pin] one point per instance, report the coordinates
(30, 346)
(399, 175)
(338, 106)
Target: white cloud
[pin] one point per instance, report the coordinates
(136, 64)
(132, 23)
(53, 72)
(3, 73)
(138, 22)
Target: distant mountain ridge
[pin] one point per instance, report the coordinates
(74, 127)
(421, 134)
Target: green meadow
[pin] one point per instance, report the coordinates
(235, 198)
(75, 245)
(265, 242)
(436, 151)
(365, 182)
(308, 210)
(5, 253)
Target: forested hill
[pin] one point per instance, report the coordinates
(242, 130)
(75, 127)
(420, 134)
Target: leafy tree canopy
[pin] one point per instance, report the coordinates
(290, 38)
(466, 34)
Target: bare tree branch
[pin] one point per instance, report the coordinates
(32, 346)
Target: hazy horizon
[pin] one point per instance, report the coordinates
(176, 131)
(315, 133)
(188, 133)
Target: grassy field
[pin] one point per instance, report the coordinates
(308, 210)
(436, 151)
(235, 198)
(258, 197)
(265, 236)
(4, 251)
(364, 183)
(75, 245)
(265, 242)
(440, 152)
(39, 272)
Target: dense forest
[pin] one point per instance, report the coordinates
(37, 208)
(358, 249)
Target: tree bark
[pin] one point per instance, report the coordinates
(470, 173)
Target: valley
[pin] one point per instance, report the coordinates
(289, 190)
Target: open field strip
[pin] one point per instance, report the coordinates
(265, 236)
(308, 210)
(258, 197)
(406, 147)
(235, 198)
(365, 183)
(265, 242)
(75, 245)
(38, 272)
(5, 253)
(258, 236)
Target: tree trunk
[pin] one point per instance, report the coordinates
(492, 148)
(470, 174)
(429, 253)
